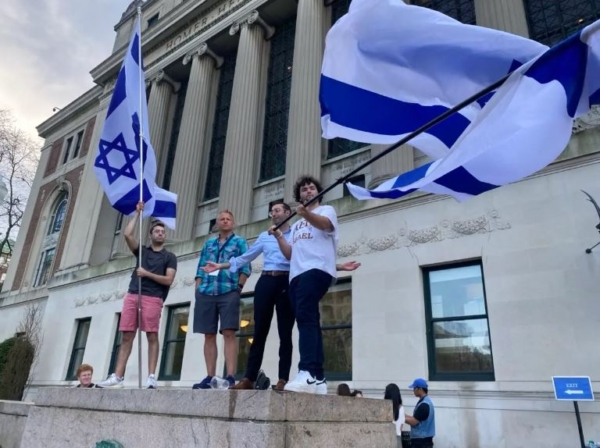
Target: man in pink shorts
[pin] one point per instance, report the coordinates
(157, 271)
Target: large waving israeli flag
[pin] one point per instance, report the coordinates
(389, 68)
(117, 164)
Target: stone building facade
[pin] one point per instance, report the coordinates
(487, 299)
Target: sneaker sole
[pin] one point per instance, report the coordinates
(321, 390)
(114, 386)
(302, 389)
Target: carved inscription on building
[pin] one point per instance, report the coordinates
(200, 24)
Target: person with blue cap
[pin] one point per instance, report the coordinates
(422, 421)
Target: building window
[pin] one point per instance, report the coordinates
(336, 326)
(458, 333)
(359, 181)
(551, 21)
(245, 335)
(57, 218)
(461, 10)
(219, 134)
(67, 150)
(78, 142)
(116, 346)
(81, 335)
(174, 345)
(272, 163)
(153, 20)
(166, 181)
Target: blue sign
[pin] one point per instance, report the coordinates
(573, 388)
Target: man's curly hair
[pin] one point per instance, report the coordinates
(306, 180)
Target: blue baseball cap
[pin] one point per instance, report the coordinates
(419, 382)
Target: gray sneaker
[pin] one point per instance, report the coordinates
(151, 382)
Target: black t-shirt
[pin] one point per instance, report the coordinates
(422, 411)
(157, 263)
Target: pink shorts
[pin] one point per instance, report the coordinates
(151, 310)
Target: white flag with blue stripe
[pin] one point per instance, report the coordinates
(117, 164)
(389, 68)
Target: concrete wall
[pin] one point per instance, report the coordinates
(13, 418)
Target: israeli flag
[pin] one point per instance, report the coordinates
(389, 68)
(117, 164)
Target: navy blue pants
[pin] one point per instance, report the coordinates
(306, 291)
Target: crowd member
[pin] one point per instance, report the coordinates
(392, 392)
(157, 269)
(218, 297)
(422, 421)
(84, 376)
(312, 254)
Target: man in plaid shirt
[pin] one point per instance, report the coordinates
(218, 297)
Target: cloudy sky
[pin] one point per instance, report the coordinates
(47, 49)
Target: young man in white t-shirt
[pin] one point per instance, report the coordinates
(311, 249)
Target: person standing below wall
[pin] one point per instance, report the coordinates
(422, 421)
(157, 270)
(218, 297)
(392, 392)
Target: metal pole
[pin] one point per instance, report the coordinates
(579, 427)
(406, 139)
(139, 300)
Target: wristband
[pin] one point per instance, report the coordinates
(240, 286)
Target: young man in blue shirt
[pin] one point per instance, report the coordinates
(422, 421)
(218, 297)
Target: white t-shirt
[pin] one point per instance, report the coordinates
(400, 425)
(313, 248)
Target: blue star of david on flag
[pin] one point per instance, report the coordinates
(118, 161)
(108, 148)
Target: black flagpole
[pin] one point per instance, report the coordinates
(405, 140)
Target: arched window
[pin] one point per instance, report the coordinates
(55, 224)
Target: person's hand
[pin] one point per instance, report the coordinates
(141, 272)
(211, 266)
(349, 266)
(301, 210)
(139, 207)
(275, 232)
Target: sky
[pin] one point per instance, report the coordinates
(47, 49)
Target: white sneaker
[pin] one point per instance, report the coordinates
(151, 382)
(321, 387)
(304, 382)
(113, 381)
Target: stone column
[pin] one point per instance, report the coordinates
(505, 15)
(242, 131)
(188, 155)
(161, 93)
(304, 126)
(398, 161)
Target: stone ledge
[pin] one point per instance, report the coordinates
(259, 406)
(185, 418)
(15, 408)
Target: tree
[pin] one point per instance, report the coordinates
(18, 355)
(19, 157)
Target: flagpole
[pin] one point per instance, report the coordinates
(403, 141)
(141, 136)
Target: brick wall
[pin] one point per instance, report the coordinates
(89, 130)
(54, 156)
(45, 191)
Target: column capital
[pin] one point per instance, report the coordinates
(252, 18)
(203, 50)
(161, 77)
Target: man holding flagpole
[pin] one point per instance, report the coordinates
(126, 170)
(156, 272)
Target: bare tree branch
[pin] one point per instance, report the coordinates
(19, 157)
